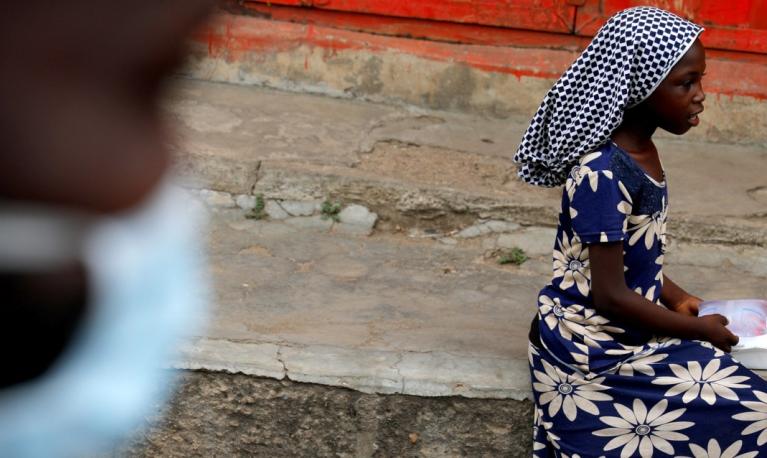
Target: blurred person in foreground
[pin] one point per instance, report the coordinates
(99, 257)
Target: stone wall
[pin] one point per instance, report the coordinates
(221, 414)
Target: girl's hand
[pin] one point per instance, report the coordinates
(689, 305)
(712, 329)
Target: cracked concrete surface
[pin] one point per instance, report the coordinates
(420, 307)
(398, 314)
(416, 167)
(430, 314)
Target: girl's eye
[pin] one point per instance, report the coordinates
(689, 83)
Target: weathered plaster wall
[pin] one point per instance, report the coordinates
(496, 81)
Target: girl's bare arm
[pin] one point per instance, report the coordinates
(677, 299)
(613, 298)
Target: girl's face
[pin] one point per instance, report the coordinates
(678, 100)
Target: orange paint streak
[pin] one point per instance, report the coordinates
(234, 38)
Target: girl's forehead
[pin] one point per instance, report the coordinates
(693, 60)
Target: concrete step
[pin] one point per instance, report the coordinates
(428, 333)
(433, 170)
(403, 301)
(302, 299)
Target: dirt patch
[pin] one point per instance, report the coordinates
(759, 194)
(256, 250)
(431, 166)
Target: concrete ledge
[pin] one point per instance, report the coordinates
(385, 372)
(395, 314)
(289, 146)
(259, 359)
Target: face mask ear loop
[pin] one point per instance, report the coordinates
(38, 238)
(147, 281)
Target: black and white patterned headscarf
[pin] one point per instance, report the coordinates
(628, 58)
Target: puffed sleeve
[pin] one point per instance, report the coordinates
(600, 206)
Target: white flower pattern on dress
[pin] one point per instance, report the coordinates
(581, 356)
(536, 429)
(576, 320)
(713, 450)
(539, 423)
(717, 352)
(650, 227)
(625, 206)
(706, 383)
(638, 429)
(649, 294)
(659, 262)
(626, 350)
(664, 342)
(559, 390)
(642, 365)
(531, 351)
(758, 417)
(571, 264)
(596, 328)
(554, 315)
(653, 345)
(581, 171)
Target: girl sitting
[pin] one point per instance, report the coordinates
(615, 373)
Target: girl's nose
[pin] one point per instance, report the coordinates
(700, 95)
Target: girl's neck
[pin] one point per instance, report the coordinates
(634, 136)
(635, 133)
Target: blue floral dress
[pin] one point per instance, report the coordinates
(609, 388)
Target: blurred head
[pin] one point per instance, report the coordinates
(80, 129)
(94, 255)
(80, 84)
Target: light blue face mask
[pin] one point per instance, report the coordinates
(147, 290)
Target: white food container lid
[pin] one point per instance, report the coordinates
(747, 320)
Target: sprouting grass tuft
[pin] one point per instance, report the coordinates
(514, 256)
(330, 210)
(257, 212)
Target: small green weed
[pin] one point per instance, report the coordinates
(514, 256)
(257, 212)
(330, 210)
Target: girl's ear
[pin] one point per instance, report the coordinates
(636, 113)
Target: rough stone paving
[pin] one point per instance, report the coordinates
(353, 335)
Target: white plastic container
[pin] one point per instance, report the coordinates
(747, 320)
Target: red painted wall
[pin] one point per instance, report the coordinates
(733, 25)
(523, 44)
